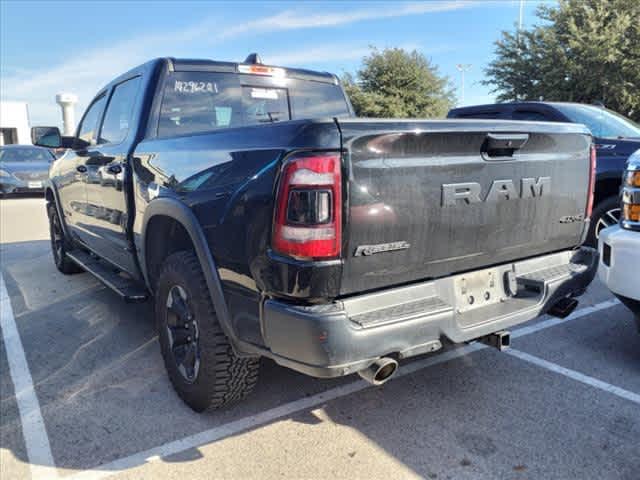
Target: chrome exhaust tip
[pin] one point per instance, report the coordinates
(379, 371)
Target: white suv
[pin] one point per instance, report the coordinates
(620, 245)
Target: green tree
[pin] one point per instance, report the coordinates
(396, 83)
(584, 51)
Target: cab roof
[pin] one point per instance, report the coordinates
(203, 65)
(509, 105)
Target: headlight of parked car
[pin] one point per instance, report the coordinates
(4, 173)
(631, 194)
(632, 178)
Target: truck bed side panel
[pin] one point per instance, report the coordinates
(228, 178)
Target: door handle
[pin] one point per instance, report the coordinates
(114, 169)
(81, 168)
(503, 145)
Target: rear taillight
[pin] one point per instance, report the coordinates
(308, 217)
(592, 181)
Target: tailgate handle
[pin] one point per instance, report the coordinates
(503, 145)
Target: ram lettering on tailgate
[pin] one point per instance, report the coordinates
(471, 192)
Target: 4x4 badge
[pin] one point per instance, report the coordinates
(571, 219)
(380, 248)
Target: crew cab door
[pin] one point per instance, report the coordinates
(71, 170)
(107, 174)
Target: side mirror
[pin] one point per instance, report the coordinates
(46, 137)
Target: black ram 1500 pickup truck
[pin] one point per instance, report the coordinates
(264, 220)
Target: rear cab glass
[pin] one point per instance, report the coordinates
(201, 101)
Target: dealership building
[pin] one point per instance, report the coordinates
(14, 123)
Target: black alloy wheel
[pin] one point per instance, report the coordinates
(183, 334)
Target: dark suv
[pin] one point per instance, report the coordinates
(616, 138)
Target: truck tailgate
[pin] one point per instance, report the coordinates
(426, 199)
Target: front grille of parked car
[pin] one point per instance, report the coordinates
(31, 176)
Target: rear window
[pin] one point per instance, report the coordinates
(480, 115)
(530, 115)
(201, 101)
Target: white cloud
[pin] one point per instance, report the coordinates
(84, 72)
(291, 20)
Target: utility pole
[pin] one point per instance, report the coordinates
(462, 67)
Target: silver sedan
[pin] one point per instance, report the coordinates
(24, 168)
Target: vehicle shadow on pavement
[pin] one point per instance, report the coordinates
(97, 369)
(493, 416)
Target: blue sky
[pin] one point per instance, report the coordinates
(48, 47)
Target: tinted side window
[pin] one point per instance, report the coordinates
(89, 126)
(530, 115)
(117, 120)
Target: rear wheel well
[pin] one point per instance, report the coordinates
(173, 238)
(606, 188)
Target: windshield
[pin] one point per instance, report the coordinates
(201, 101)
(602, 122)
(25, 155)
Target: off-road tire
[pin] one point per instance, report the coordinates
(60, 244)
(222, 377)
(600, 211)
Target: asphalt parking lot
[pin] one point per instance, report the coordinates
(83, 394)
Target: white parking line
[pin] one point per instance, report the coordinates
(267, 416)
(262, 418)
(580, 377)
(33, 429)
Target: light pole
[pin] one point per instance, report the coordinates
(518, 34)
(462, 67)
(520, 15)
